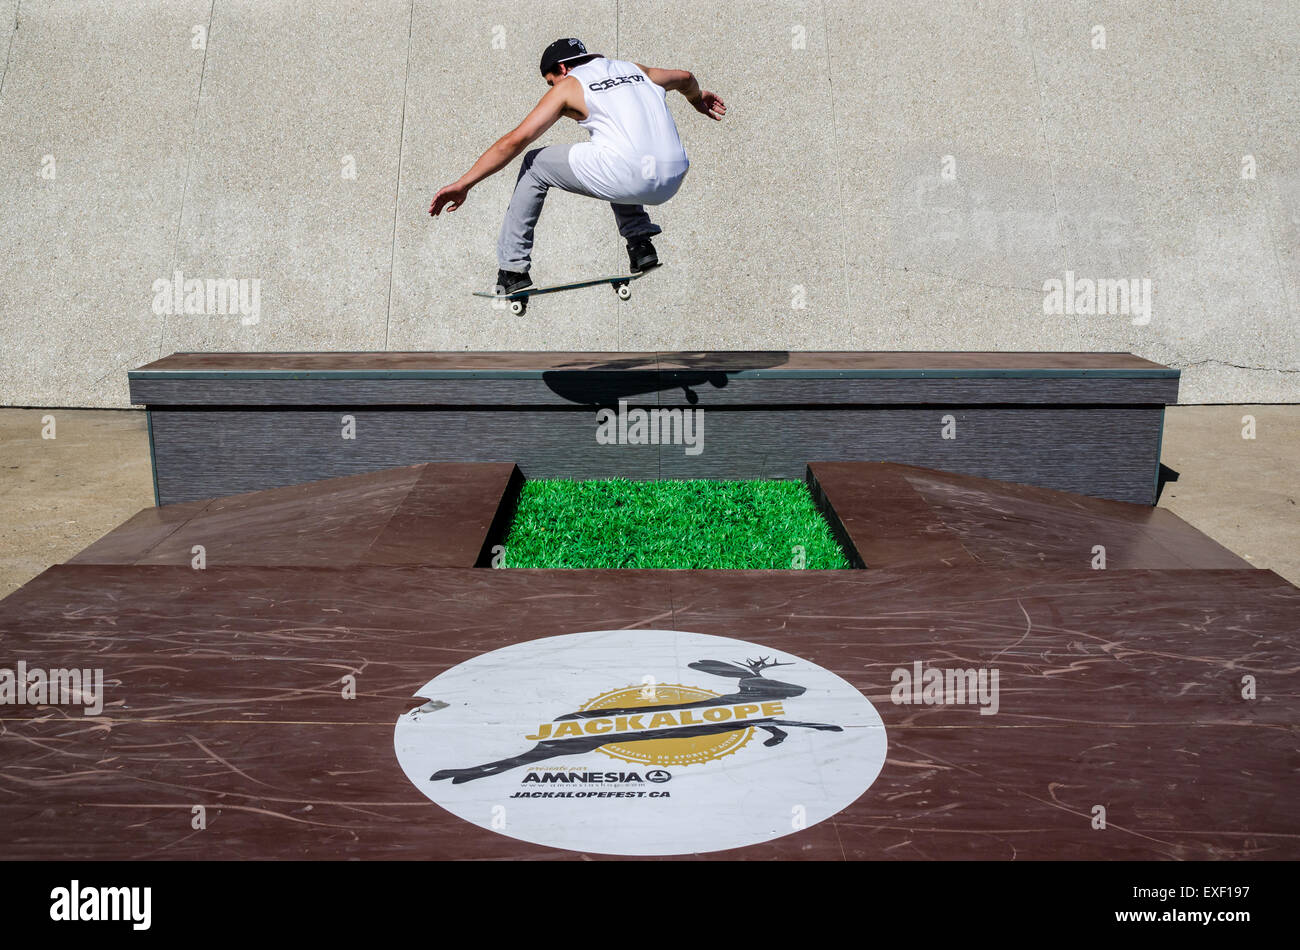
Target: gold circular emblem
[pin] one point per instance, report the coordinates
(688, 751)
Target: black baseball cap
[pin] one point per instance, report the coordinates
(561, 51)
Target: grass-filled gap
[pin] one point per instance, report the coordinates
(617, 523)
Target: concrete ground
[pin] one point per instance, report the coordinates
(63, 493)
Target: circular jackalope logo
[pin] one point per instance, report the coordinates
(641, 742)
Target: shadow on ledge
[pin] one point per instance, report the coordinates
(604, 384)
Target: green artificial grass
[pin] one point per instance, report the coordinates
(618, 523)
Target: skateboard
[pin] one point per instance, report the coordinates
(519, 298)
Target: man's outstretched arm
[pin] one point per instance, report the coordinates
(505, 150)
(705, 102)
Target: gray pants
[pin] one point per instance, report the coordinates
(543, 169)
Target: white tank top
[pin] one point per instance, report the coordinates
(634, 149)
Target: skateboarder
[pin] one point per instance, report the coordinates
(634, 158)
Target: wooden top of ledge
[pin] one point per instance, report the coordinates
(756, 364)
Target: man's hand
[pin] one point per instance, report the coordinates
(684, 81)
(711, 105)
(450, 197)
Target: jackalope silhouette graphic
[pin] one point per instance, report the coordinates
(753, 688)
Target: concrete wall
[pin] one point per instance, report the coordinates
(218, 139)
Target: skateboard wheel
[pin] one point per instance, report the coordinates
(517, 307)
(623, 291)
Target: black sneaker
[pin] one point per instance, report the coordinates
(641, 255)
(509, 281)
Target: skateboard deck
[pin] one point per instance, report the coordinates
(519, 298)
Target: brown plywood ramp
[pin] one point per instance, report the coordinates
(439, 514)
(222, 688)
(900, 516)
